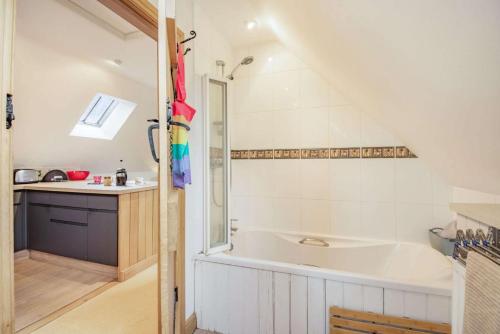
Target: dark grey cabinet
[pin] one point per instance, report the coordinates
(68, 232)
(102, 236)
(20, 228)
(79, 226)
(39, 234)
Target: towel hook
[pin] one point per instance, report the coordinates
(193, 36)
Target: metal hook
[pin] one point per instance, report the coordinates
(187, 50)
(193, 36)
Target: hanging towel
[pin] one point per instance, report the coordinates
(482, 295)
(182, 113)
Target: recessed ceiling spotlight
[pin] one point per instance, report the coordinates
(117, 61)
(251, 24)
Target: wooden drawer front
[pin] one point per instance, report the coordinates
(70, 200)
(102, 202)
(39, 197)
(69, 232)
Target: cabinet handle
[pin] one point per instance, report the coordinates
(66, 222)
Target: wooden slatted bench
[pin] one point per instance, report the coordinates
(343, 321)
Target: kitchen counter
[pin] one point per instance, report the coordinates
(85, 187)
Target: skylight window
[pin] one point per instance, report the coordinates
(103, 118)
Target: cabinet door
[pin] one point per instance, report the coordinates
(69, 232)
(39, 228)
(103, 237)
(20, 229)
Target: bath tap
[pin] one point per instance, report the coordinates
(233, 229)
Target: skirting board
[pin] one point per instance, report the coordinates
(22, 254)
(73, 263)
(191, 324)
(137, 268)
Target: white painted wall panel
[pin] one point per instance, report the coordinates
(315, 305)
(415, 305)
(353, 296)
(266, 323)
(298, 304)
(334, 296)
(394, 302)
(243, 308)
(234, 300)
(281, 303)
(438, 308)
(373, 299)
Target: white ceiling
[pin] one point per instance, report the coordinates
(88, 30)
(429, 70)
(230, 18)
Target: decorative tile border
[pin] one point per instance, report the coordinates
(385, 152)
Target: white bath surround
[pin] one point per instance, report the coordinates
(263, 286)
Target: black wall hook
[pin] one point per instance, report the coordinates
(193, 36)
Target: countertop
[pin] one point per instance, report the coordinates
(85, 187)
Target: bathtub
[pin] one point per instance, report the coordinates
(271, 283)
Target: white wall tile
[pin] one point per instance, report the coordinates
(377, 180)
(413, 222)
(413, 181)
(337, 98)
(315, 216)
(260, 92)
(287, 214)
(346, 218)
(373, 134)
(314, 175)
(285, 90)
(314, 89)
(345, 127)
(287, 127)
(314, 130)
(286, 178)
(378, 220)
(345, 179)
(441, 192)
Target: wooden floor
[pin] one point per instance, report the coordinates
(128, 307)
(42, 288)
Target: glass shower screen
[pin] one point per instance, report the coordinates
(216, 166)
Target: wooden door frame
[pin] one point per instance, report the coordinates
(7, 28)
(171, 265)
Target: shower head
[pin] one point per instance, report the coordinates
(245, 61)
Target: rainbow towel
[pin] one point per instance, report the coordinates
(182, 113)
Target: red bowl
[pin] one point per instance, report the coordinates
(77, 175)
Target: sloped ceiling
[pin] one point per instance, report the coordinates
(429, 70)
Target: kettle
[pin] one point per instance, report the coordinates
(121, 177)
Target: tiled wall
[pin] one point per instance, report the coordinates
(283, 108)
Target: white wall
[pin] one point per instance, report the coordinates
(208, 46)
(52, 90)
(281, 103)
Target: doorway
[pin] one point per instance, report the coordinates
(71, 56)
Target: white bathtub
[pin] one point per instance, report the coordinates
(270, 283)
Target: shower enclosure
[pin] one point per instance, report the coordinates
(216, 165)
